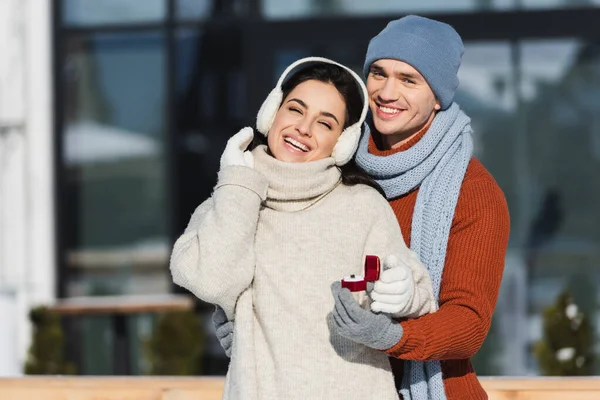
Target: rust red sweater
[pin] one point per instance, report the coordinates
(470, 281)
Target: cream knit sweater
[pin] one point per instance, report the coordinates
(266, 247)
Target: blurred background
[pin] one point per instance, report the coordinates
(113, 116)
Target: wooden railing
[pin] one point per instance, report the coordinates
(111, 388)
(528, 388)
(207, 388)
(118, 308)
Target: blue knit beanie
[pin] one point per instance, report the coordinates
(432, 47)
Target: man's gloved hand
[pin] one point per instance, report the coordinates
(351, 321)
(224, 329)
(393, 293)
(235, 152)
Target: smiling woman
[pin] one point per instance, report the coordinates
(304, 129)
(307, 125)
(305, 117)
(332, 92)
(232, 253)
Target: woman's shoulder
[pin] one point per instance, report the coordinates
(364, 196)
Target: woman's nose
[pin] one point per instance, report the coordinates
(303, 127)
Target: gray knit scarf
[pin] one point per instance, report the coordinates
(436, 164)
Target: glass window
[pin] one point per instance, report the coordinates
(276, 9)
(284, 59)
(210, 107)
(114, 154)
(557, 3)
(94, 12)
(533, 106)
(197, 93)
(487, 93)
(561, 90)
(194, 9)
(204, 9)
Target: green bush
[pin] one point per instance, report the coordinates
(175, 345)
(566, 347)
(46, 353)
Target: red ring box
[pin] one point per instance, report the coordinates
(358, 283)
(372, 268)
(354, 283)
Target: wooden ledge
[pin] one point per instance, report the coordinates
(129, 304)
(541, 383)
(111, 388)
(210, 388)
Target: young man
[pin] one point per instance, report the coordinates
(418, 147)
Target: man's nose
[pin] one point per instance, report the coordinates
(389, 92)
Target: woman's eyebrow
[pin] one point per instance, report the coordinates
(330, 115)
(303, 104)
(323, 113)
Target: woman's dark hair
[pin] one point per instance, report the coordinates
(347, 86)
(343, 81)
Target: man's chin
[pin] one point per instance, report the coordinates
(388, 128)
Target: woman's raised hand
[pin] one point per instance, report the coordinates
(235, 152)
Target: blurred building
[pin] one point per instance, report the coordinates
(114, 113)
(28, 264)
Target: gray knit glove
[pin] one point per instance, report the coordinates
(224, 330)
(351, 321)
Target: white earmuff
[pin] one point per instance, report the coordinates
(348, 141)
(267, 111)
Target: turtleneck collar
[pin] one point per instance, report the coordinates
(295, 186)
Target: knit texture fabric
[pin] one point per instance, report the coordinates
(432, 47)
(471, 281)
(437, 165)
(309, 231)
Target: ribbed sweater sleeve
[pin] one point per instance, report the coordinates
(385, 239)
(214, 257)
(471, 278)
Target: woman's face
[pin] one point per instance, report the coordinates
(308, 123)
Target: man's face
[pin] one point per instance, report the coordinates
(400, 99)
